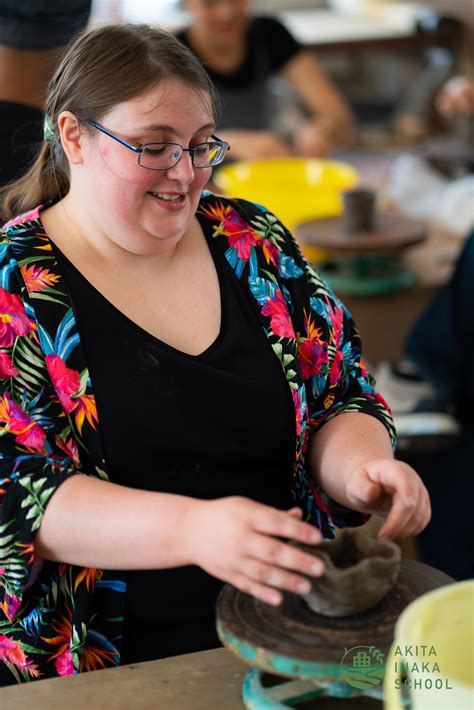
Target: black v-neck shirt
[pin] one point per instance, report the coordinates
(217, 424)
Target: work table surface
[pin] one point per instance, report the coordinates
(209, 680)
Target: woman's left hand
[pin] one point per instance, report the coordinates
(393, 489)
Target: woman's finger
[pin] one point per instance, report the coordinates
(257, 590)
(295, 512)
(280, 554)
(272, 576)
(280, 524)
(401, 512)
(421, 516)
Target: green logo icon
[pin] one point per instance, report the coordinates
(362, 667)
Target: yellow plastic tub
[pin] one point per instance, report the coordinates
(295, 189)
(431, 660)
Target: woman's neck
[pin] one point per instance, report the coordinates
(84, 242)
(222, 57)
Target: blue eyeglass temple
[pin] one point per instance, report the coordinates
(139, 150)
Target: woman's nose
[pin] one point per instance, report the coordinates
(184, 169)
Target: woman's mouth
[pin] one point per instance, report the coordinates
(168, 197)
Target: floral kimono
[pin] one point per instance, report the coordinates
(59, 619)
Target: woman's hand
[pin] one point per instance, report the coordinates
(314, 139)
(237, 540)
(456, 97)
(252, 145)
(393, 489)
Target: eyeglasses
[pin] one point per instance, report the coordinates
(163, 156)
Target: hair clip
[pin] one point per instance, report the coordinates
(48, 131)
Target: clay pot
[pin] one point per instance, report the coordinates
(360, 570)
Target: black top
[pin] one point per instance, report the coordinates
(216, 424)
(269, 46)
(36, 24)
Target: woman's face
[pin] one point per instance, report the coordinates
(221, 19)
(147, 211)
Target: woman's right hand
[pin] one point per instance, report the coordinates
(238, 541)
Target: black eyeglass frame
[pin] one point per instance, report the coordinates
(139, 150)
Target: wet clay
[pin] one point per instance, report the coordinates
(360, 571)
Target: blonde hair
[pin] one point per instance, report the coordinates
(100, 69)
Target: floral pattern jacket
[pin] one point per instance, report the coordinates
(59, 619)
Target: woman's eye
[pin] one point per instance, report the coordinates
(156, 149)
(202, 149)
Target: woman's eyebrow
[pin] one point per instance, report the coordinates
(171, 129)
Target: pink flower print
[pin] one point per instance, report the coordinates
(335, 372)
(270, 251)
(70, 448)
(10, 606)
(337, 319)
(26, 217)
(280, 320)
(240, 235)
(18, 422)
(64, 664)
(312, 356)
(7, 368)
(298, 410)
(11, 652)
(66, 381)
(13, 319)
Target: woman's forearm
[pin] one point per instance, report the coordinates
(343, 444)
(94, 523)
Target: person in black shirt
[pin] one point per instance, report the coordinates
(241, 53)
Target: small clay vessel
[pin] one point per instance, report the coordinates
(360, 570)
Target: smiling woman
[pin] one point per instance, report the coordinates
(171, 370)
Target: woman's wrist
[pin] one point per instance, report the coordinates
(185, 541)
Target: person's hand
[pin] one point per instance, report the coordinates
(313, 139)
(456, 97)
(251, 145)
(390, 488)
(238, 541)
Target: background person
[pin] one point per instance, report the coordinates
(241, 53)
(32, 38)
(174, 375)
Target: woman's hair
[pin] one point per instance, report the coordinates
(100, 69)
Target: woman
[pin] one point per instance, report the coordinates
(168, 360)
(241, 53)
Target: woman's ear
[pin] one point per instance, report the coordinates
(72, 137)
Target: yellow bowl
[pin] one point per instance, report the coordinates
(295, 189)
(431, 659)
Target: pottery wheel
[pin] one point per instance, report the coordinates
(390, 233)
(293, 631)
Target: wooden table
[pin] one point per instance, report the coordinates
(210, 680)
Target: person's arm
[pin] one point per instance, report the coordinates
(351, 459)
(94, 523)
(332, 122)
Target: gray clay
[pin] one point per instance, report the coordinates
(360, 570)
